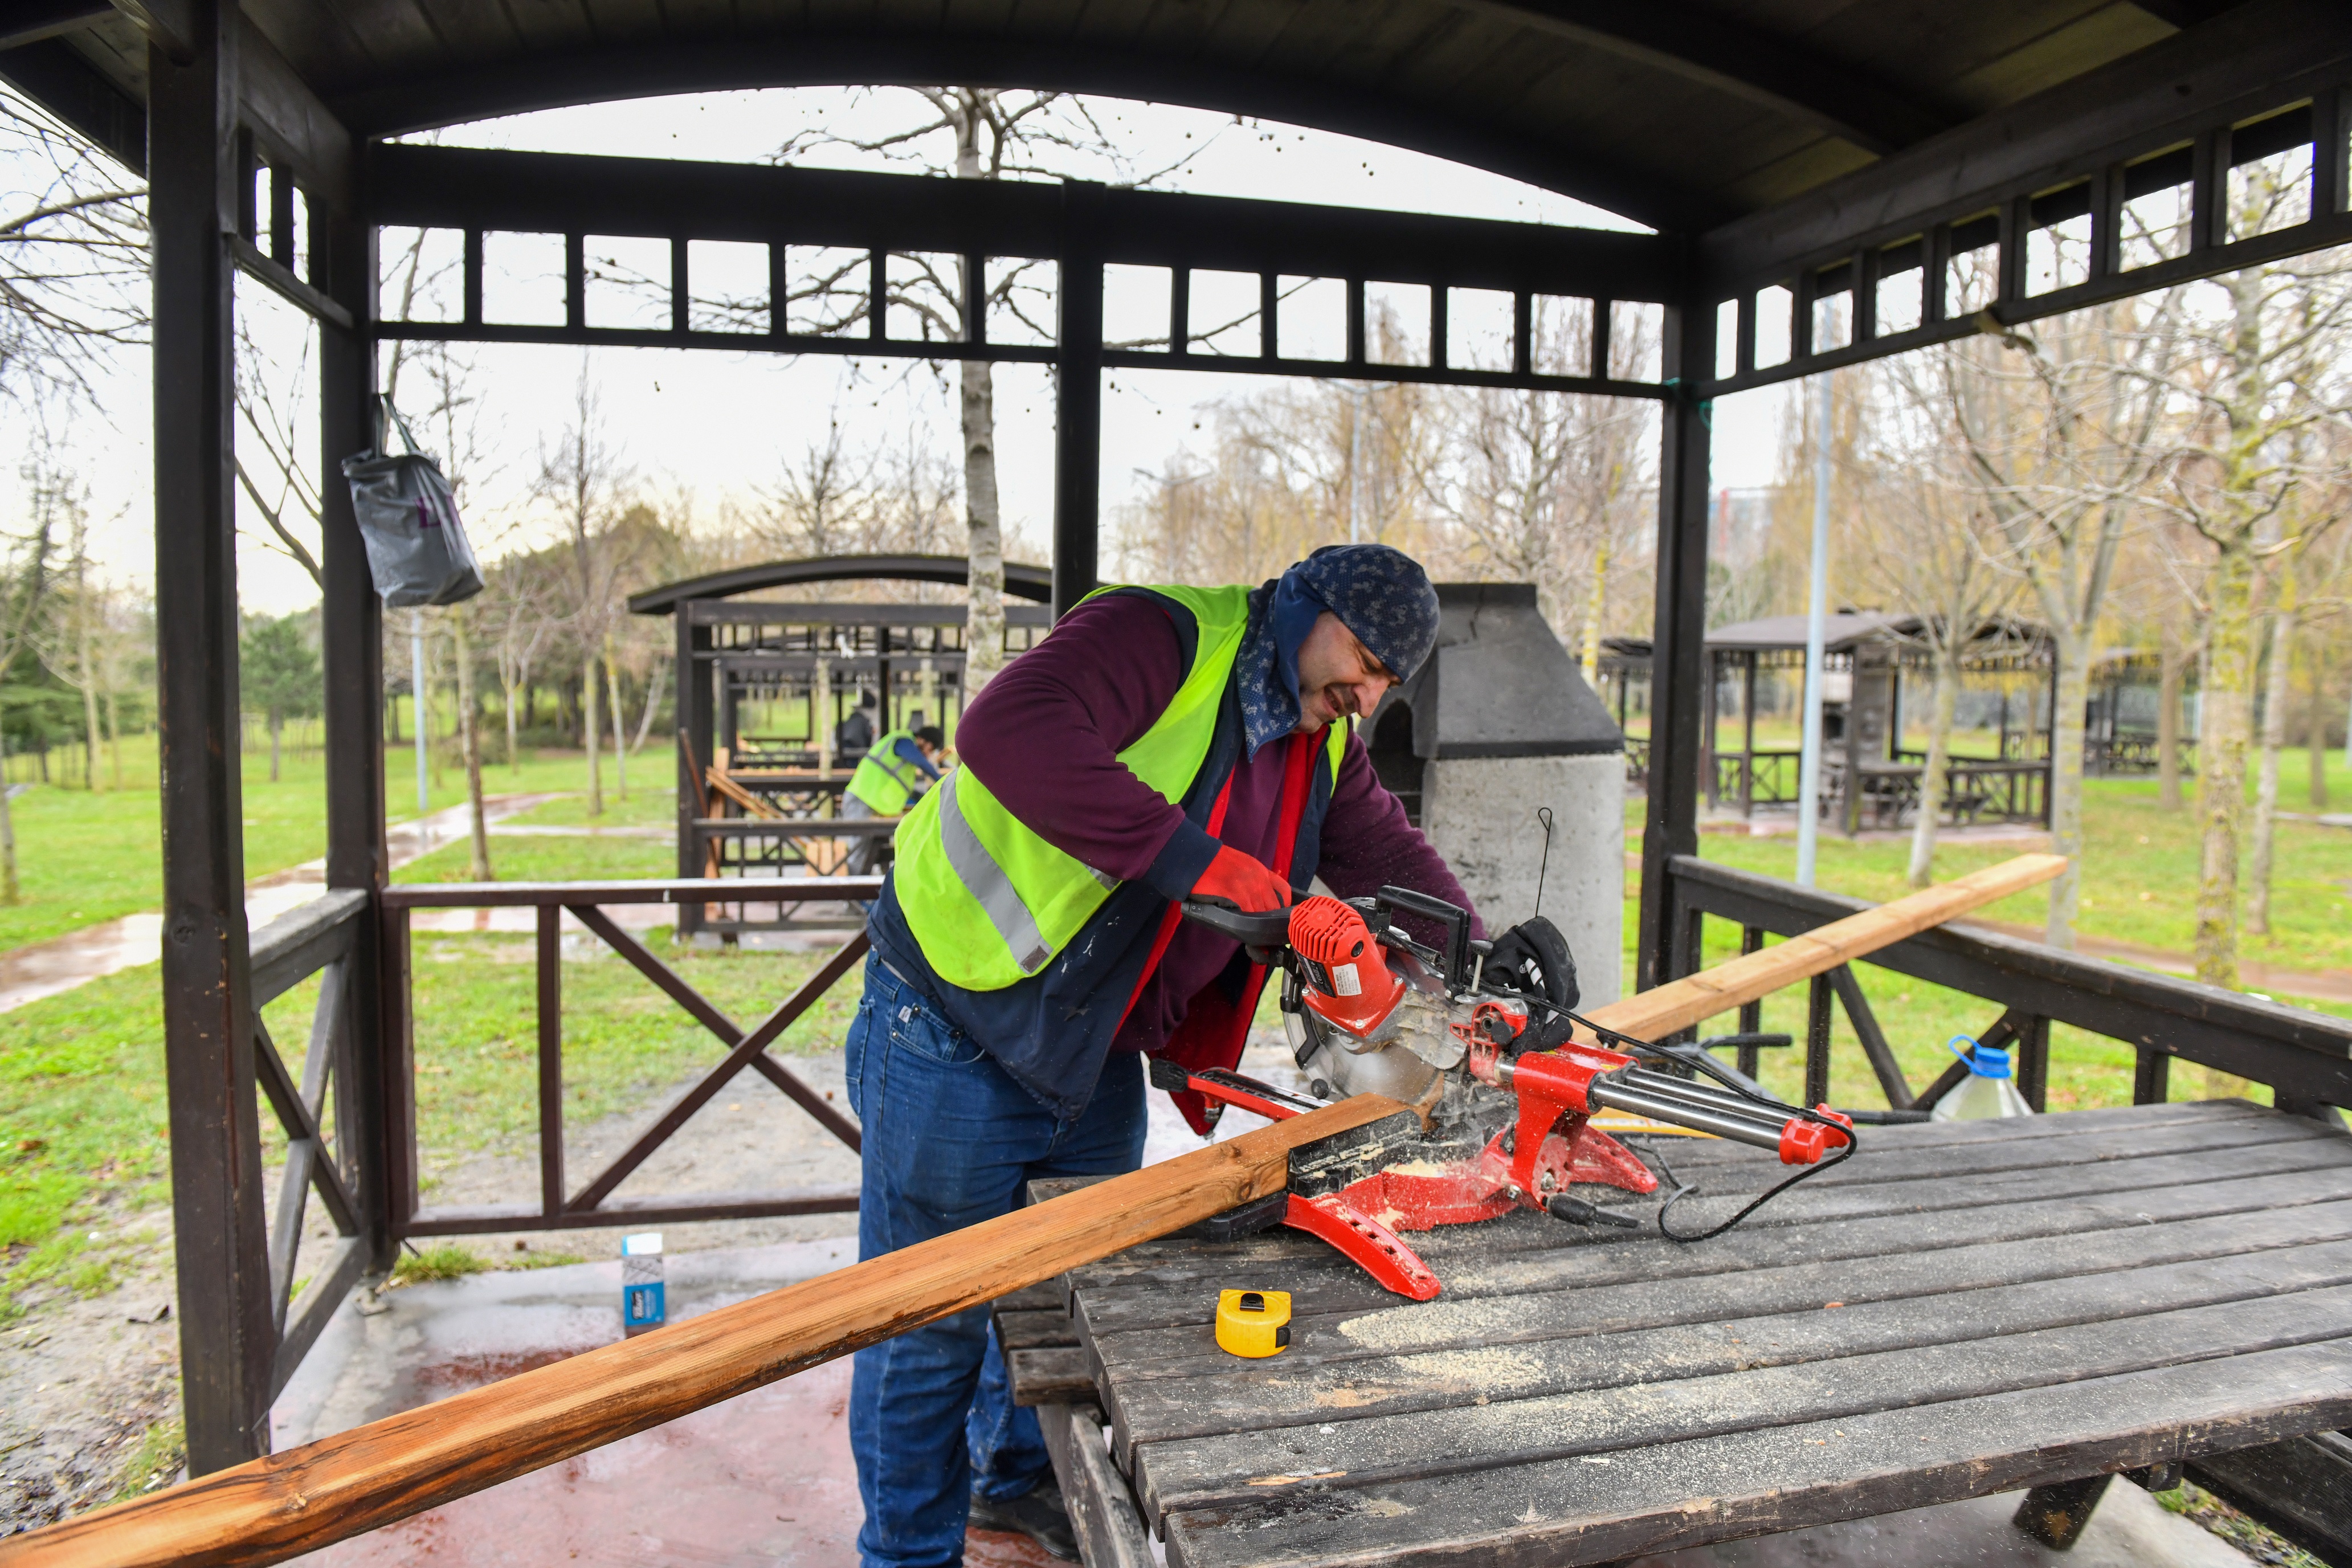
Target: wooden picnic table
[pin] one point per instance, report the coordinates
(1965, 1309)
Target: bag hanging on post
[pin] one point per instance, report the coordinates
(416, 547)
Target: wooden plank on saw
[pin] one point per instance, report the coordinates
(1310, 1268)
(1253, 1399)
(1340, 1453)
(1784, 1477)
(1319, 1287)
(1657, 1012)
(275, 1507)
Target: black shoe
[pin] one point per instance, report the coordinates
(1037, 1513)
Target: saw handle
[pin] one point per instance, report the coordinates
(1452, 916)
(1268, 932)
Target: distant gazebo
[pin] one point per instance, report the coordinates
(1867, 775)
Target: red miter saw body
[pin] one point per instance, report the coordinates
(1505, 1097)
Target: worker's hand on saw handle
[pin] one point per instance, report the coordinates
(1242, 882)
(1237, 897)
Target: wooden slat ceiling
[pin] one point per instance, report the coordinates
(1679, 113)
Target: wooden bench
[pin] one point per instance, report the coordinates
(1967, 1309)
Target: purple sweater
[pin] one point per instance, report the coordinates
(1045, 735)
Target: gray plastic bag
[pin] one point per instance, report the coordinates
(416, 547)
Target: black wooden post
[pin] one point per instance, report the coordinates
(1820, 998)
(697, 722)
(1677, 698)
(2033, 1061)
(352, 635)
(227, 1340)
(1077, 399)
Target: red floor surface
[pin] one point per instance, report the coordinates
(762, 1480)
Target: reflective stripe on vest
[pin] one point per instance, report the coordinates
(989, 902)
(985, 880)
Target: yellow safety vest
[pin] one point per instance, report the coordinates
(989, 902)
(884, 780)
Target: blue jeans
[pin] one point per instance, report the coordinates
(951, 1139)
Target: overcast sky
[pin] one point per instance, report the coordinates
(713, 424)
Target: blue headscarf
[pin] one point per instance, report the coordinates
(1379, 592)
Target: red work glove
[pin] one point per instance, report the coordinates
(1235, 879)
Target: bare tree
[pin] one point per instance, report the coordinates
(2260, 375)
(27, 584)
(585, 482)
(73, 256)
(976, 134)
(1929, 546)
(2056, 435)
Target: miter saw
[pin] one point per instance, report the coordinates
(1480, 1039)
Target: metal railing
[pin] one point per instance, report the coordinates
(591, 1203)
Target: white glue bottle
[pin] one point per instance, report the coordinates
(1986, 1092)
(642, 1306)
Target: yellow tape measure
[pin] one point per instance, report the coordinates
(1253, 1322)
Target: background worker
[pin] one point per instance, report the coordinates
(897, 768)
(1163, 744)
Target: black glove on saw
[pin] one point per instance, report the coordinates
(1532, 958)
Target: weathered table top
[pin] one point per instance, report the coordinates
(1964, 1308)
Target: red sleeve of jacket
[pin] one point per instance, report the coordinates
(1368, 845)
(1045, 734)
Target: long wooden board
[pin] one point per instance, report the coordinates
(1698, 997)
(276, 1507)
(288, 1503)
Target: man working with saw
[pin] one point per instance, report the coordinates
(1163, 744)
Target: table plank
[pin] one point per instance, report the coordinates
(1170, 1274)
(1340, 1453)
(1719, 1487)
(1256, 1398)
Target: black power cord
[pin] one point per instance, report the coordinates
(1682, 1189)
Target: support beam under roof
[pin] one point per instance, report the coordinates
(1711, 50)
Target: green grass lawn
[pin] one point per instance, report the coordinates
(82, 1114)
(2139, 869)
(567, 860)
(83, 857)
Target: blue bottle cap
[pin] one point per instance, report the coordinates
(1984, 1061)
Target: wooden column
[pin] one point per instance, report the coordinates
(227, 1339)
(1078, 402)
(351, 639)
(1678, 699)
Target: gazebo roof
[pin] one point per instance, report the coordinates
(1683, 114)
(1022, 581)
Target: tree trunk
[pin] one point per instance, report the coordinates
(2266, 786)
(620, 741)
(89, 691)
(1933, 775)
(588, 730)
(1593, 606)
(653, 699)
(2169, 663)
(514, 757)
(277, 725)
(10, 893)
(984, 534)
(114, 737)
(2317, 662)
(2073, 692)
(469, 740)
(2222, 723)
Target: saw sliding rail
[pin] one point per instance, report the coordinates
(278, 1508)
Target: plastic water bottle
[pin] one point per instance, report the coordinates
(1988, 1091)
(643, 1292)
